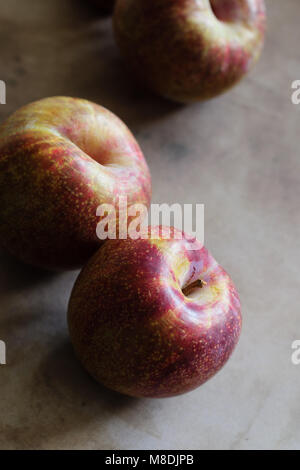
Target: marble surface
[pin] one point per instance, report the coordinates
(239, 155)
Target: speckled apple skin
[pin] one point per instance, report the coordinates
(182, 51)
(135, 331)
(59, 159)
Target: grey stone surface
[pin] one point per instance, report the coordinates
(237, 154)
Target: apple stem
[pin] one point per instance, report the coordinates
(188, 289)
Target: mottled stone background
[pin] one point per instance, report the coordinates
(239, 155)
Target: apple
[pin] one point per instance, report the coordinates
(60, 158)
(106, 6)
(152, 317)
(190, 50)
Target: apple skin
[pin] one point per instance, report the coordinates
(60, 158)
(133, 328)
(182, 51)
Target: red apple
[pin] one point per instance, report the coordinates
(60, 158)
(190, 50)
(153, 317)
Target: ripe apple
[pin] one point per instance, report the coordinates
(106, 6)
(190, 50)
(153, 318)
(60, 158)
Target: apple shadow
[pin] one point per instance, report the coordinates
(90, 66)
(89, 9)
(65, 399)
(101, 75)
(74, 53)
(46, 395)
(16, 275)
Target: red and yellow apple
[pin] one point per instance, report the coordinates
(153, 317)
(190, 50)
(60, 158)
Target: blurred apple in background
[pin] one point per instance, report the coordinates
(190, 50)
(60, 158)
(153, 318)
